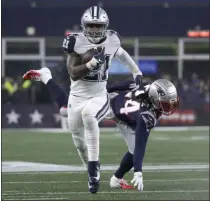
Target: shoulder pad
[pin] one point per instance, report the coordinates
(68, 43)
(112, 32)
(149, 119)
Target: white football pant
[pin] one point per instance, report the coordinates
(128, 135)
(84, 116)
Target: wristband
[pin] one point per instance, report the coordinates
(91, 64)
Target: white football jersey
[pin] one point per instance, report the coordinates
(94, 83)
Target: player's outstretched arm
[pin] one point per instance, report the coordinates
(121, 86)
(141, 137)
(126, 59)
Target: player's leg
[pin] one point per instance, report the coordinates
(92, 114)
(75, 106)
(127, 161)
(64, 123)
(44, 75)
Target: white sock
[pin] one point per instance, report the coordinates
(45, 74)
(46, 78)
(84, 156)
(80, 144)
(92, 137)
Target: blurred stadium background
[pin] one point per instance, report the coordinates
(167, 38)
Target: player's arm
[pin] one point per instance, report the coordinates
(121, 86)
(78, 70)
(126, 59)
(145, 121)
(75, 68)
(127, 86)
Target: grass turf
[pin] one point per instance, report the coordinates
(163, 148)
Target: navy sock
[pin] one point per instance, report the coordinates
(125, 165)
(92, 168)
(57, 93)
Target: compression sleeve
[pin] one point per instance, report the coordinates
(126, 59)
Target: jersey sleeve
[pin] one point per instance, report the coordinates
(145, 121)
(69, 43)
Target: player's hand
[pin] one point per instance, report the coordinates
(133, 87)
(95, 63)
(138, 79)
(138, 181)
(100, 57)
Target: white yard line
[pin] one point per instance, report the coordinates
(63, 182)
(106, 192)
(104, 172)
(20, 166)
(113, 129)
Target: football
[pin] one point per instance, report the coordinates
(87, 56)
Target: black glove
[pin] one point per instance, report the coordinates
(138, 80)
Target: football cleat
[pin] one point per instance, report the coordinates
(119, 183)
(32, 75)
(93, 177)
(43, 75)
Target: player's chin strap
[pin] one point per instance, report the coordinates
(126, 59)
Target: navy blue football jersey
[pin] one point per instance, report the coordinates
(127, 109)
(140, 115)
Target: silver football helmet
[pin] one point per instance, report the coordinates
(94, 23)
(163, 96)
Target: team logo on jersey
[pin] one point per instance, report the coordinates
(149, 119)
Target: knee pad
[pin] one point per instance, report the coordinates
(86, 112)
(89, 120)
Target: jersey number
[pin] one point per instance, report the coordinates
(130, 106)
(101, 75)
(65, 43)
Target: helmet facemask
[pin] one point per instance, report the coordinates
(163, 96)
(169, 107)
(94, 23)
(94, 32)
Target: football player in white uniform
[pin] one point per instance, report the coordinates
(88, 100)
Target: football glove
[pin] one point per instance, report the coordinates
(95, 63)
(138, 79)
(133, 87)
(100, 57)
(138, 181)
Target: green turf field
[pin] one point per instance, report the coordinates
(45, 166)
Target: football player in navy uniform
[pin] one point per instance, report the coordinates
(135, 110)
(136, 113)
